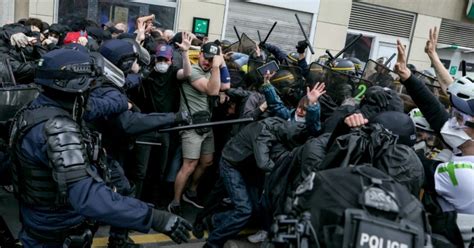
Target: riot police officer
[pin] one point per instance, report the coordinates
(58, 174)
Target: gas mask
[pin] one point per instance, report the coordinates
(161, 67)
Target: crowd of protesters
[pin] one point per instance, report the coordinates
(89, 150)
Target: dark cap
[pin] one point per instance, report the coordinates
(463, 105)
(210, 50)
(165, 51)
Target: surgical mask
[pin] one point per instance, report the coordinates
(454, 137)
(161, 67)
(53, 40)
(421, 146)
(300, 119)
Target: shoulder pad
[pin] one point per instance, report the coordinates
(66, 147)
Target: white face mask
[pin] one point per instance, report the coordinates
(452, 136)
(53, 40)
(421, 146)
(300, 119)
(161, 67)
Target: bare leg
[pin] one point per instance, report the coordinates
(204, 162)
(189, 165)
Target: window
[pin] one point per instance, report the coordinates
(164, 15)
(126, 11)
(70, 10)
(361, 49)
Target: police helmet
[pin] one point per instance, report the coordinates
(143, 55)
(344, 66)
(285, 84)
(120, 53)
(66, 70)
(292, 58)
(357, 64)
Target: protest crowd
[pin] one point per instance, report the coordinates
(102, 127)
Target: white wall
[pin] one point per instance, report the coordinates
(7, 12)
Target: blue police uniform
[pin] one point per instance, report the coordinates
(56, 172)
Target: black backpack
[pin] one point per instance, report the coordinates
(352, 207)
(378, 147)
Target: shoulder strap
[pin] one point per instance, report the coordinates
(185, 98)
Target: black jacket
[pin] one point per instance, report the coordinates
(430, 106)
(266, 141)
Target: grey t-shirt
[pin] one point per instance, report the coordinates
(197, 100)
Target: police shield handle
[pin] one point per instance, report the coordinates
(269, 32)
(401, 66)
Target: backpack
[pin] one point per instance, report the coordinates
(352, 207)
(378, 147)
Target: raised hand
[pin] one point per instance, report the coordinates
(186, 42)
(432, 41)
(314, 94)
(141, 26)
(268, 75)
(401, 66)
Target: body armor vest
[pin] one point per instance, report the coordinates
(42, 186)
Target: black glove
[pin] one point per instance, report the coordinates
(172, 225)
(302, 45)
(378, 96)
(183, 118)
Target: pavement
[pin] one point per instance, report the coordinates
(9, 211)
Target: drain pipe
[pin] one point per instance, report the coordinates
(224, 23)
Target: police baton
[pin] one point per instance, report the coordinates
(237, 33)
(269, 32)
(304, 34)
(390, 59)
(259, 37)
(348, 46)
(344, 49)
(206, 124)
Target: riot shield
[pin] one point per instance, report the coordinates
(316, 73)
(246, 45)
(290, 84)
(13, 98)
(339, 86)
(379, 74)
(6, 73)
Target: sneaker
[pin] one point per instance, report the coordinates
(8, 188)
(175, 209)
(258, 237)
(193, 200)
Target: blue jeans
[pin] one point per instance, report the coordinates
(229, 223)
